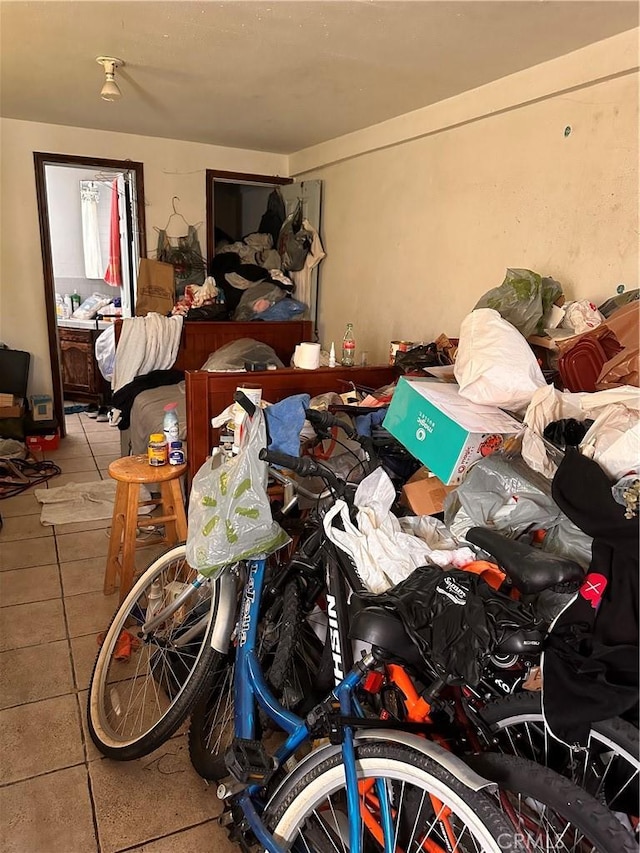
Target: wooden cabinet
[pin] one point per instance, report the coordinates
(81, 378)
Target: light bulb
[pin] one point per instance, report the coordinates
(110, 90)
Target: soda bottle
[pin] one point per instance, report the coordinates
(348, 347)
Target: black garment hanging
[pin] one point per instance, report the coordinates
(590, 667)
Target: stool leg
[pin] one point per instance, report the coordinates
(129, 540)
(112, 570)
(169, 511)
(181, 518)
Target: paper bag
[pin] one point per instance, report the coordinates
(155, 288)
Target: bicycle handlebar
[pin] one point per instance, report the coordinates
(305, 466)
(325, 420)
(245, 402)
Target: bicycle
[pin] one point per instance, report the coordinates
(310, 467)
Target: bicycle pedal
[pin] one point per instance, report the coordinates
(248, 762)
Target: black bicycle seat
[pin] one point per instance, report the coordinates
(383, 629)
(529, 569)
(520, 641)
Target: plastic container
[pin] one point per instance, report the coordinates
(154, 600)
(176, 453)
(348, 347)
(170, 423)
(75, 300)
(157, 450)
(67, 306)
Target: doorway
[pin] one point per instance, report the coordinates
(235, 202)
(92, 235)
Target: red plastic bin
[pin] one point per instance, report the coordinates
(42, 443)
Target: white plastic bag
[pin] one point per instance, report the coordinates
(229, 512)
(495, 365)
(581, 316)
(547, 405)
(613, 441)
(106, 352)
(382, 552)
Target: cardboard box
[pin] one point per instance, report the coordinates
(443, 430)
(11, 407)
(43, 443)
(424, 493)
(41, 407)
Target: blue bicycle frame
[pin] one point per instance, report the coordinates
(250, 686)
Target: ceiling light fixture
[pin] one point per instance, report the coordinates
(110, 91)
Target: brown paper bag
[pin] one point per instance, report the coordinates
(155, 289)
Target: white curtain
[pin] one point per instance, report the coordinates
(89, 198)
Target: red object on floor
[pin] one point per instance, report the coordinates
(43, 442)
(125, 644)
(113, 274)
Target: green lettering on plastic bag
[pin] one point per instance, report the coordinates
(224, 482)
(248, 512)
(242, 488)
(207, 500)
(232, 536)
(210, 525)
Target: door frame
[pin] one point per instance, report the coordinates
(213, 175)
(41, 160)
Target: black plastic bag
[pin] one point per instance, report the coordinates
(421, 357)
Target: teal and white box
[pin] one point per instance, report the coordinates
(41, 407)
(446, 432)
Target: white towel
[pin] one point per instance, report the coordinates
(77, 502)
(146, 344)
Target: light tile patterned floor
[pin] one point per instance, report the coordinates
(57, 793)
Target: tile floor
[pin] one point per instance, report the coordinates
(57, 793)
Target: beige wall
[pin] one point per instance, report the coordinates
(423, 214)
(171, 167)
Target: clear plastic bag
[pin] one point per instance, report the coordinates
(257, 299)
(524, 299)
(232, 356)
(506, 495)
(229, 512)
(90, 307)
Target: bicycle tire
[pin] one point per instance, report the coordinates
(292, 816)
(549, 810)
(122, 693)
(609, 769)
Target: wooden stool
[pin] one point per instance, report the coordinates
(131, 472)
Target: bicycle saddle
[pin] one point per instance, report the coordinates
(383, 629)
(529, 569)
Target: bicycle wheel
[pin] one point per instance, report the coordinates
(139, 696)
(609, 768)
(548, 811)
(431, 810)
(289, 653)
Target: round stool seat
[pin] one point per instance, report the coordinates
(136, 469)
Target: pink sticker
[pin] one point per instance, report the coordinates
(593, 588)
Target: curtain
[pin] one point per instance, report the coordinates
(89, 197)
(113, 275)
